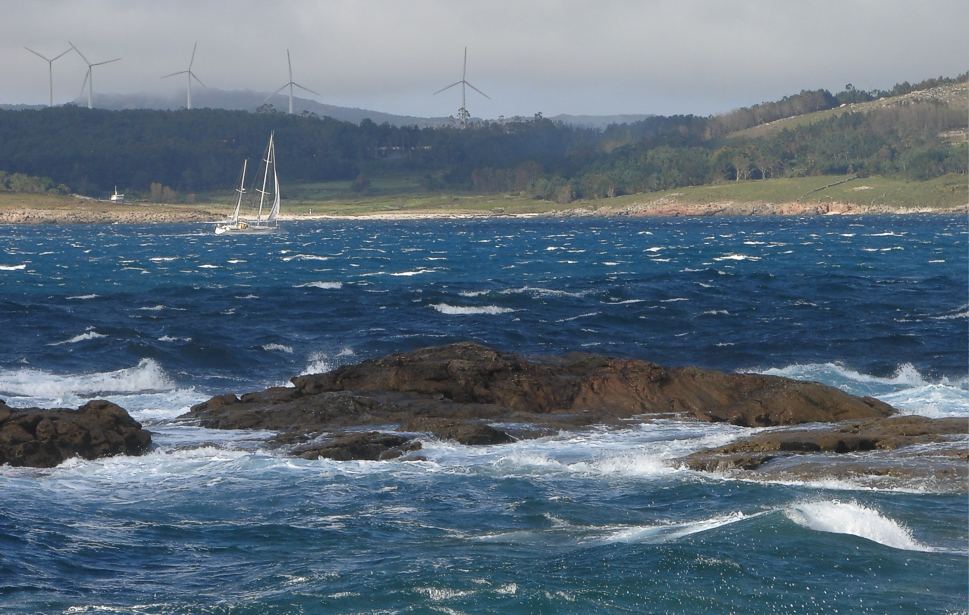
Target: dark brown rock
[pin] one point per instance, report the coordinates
(454, 391)
(460, 431)
(371, 445)
(45, 438)
(608, 387)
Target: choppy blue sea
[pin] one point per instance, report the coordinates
(157, 318)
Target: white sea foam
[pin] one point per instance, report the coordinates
(856, 519)
(82, 297)
(317, 363)
(323, 285)
(277, 347)
(673, 300)
(907, 389)
(414, 272)
(87, 335)
(571, 318)
(19, 267)
(466, 310)
(168, 338)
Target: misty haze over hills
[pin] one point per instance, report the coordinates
(248, 100)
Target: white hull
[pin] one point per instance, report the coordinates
(245, 229)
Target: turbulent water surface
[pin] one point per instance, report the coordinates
(158, 318)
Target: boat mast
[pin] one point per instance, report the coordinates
(265, 177)
(240, 190)
(275, 209)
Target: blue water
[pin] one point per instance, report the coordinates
(157, 318)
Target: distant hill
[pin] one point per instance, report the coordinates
(247, 100)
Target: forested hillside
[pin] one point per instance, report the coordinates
(182, 152)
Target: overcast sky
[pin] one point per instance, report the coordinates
(553, 56)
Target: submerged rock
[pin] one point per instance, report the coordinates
(45, 438)
(454, 391)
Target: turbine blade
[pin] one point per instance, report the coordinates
(83, 57)
(190, 62)
(290, 62)
(464, 71)
(192, 75)
(448, 87)
(283, 87)
(181, 72)
(40, 56)
(61, 54)
(303, 87)
(105, 62)
(477, 90)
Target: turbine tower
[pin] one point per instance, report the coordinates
(464, 117)
(89, 75)
(189, 75)
(291, 84)
(50, 70)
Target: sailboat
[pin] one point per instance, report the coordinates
(236, 224)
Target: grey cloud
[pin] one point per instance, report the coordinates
(571, 56)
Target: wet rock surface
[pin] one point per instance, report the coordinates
(453, 392)
(45, 438)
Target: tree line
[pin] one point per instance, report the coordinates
(165, 153)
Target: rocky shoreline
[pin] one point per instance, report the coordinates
(150, 214)
(385, 408)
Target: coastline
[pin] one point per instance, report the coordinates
(83, 212)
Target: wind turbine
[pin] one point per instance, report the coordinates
(290, 85)
(463, 115)
(89, 75)
(50, 69)
(189, 75)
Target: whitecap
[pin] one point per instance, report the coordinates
(277, 347)
(81, 297)
(736, 257)
(323, 285)
(465, 310)
(19, 267)
(87, 335)
(571, 318)
(855, 519)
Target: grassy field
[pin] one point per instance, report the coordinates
(336, 198)
(942, 192)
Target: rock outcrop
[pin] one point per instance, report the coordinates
(839, 451)
(454, 391)
(45, 438)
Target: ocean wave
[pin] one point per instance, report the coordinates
(467, 310)
(82, 297)
(855, 519)
(147, 375)
(675, 531)
(19, 267)
(323, 285)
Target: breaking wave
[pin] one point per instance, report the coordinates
(855, 519)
